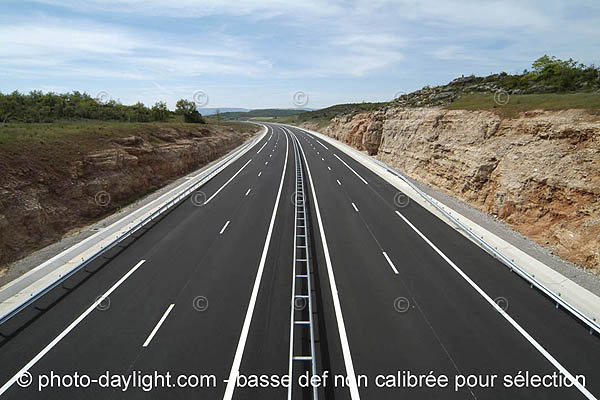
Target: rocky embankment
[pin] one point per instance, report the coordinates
(41, 200)
(539, 172)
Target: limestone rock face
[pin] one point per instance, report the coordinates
(539, 172)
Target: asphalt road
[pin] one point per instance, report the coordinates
(205, 296)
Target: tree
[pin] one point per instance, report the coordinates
(140, 113)
(160, 112)
(188, 110)
(564, 74)
(183, 107)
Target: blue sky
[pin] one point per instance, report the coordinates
(257, 54)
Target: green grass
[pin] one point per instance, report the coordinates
(260, 113)
(23, 133)
(59, 131)
(323, 116)
(527, 102)
(266, 119)
(53, 146)
(339, 109)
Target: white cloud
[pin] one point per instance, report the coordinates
(86, 49)
(249, 44)
(195, 8)
(371, 39)
(496, 14)
(32, 39)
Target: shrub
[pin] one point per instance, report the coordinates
(188, 110)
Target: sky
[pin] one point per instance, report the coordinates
(276, 53)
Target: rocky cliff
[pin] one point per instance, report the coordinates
(50, 188)
(539, 171)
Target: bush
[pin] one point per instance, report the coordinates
(160, 112)
(39, 107)
(555, 75)
(188, 110)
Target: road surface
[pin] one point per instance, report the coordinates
(201, 305)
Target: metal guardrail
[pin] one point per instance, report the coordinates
(301, 318)
(592, 323)
(215, 169)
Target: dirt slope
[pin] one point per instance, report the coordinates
(54, 184)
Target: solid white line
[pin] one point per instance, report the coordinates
(227, 183)
(339, 183)
(64, 333)
(260, 173)
(263, 146)
(318, 141)
(157, 327)
(350, 168)
(354, 205)
(336, 300)
(390, 262)
(237, 360)
(224, 227)
(248, 192)
(515, 325)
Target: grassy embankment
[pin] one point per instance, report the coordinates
(475, 102)
(323, 116)
(54, 143)
(267, 115)
(528, 102)
(39, 167)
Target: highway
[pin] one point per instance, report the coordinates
(298, 258)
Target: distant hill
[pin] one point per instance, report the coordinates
(552, 84)
(212, 111)
(269, 113)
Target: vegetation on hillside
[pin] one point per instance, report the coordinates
(330, 112)
(552, 84)
(548, 75)
(527, 102)
(25, 135)
(41, 107)
(551, 74)
(189, 111)
(270, 113)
